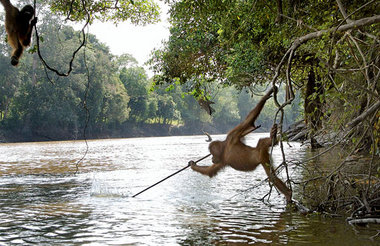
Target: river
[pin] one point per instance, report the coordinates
(43, 202)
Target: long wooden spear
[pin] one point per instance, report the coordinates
(171, 175)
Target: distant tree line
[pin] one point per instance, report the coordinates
(104, 96)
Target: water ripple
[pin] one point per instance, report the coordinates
(43, 203)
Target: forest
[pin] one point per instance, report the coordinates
(104, 96)
(322, 55)
(328, 52)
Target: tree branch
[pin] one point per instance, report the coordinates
(46, 65)
(349, 26)
(364, 115)
(343, 11)
(310, 36)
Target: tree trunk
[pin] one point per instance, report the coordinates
(313, 106)
(6, 109)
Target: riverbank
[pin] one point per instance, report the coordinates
(127, 131)
(142, 130)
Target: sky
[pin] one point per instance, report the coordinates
(138, 41)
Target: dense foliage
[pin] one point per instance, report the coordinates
(138, 12)
(326, 50)
(105, 95)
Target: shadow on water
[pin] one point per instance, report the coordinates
(42, 202)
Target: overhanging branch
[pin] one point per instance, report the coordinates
(342, 28)
(313, 35)
(364, 115)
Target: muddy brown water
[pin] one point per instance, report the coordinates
(42, 202)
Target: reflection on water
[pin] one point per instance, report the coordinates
(43, 202)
